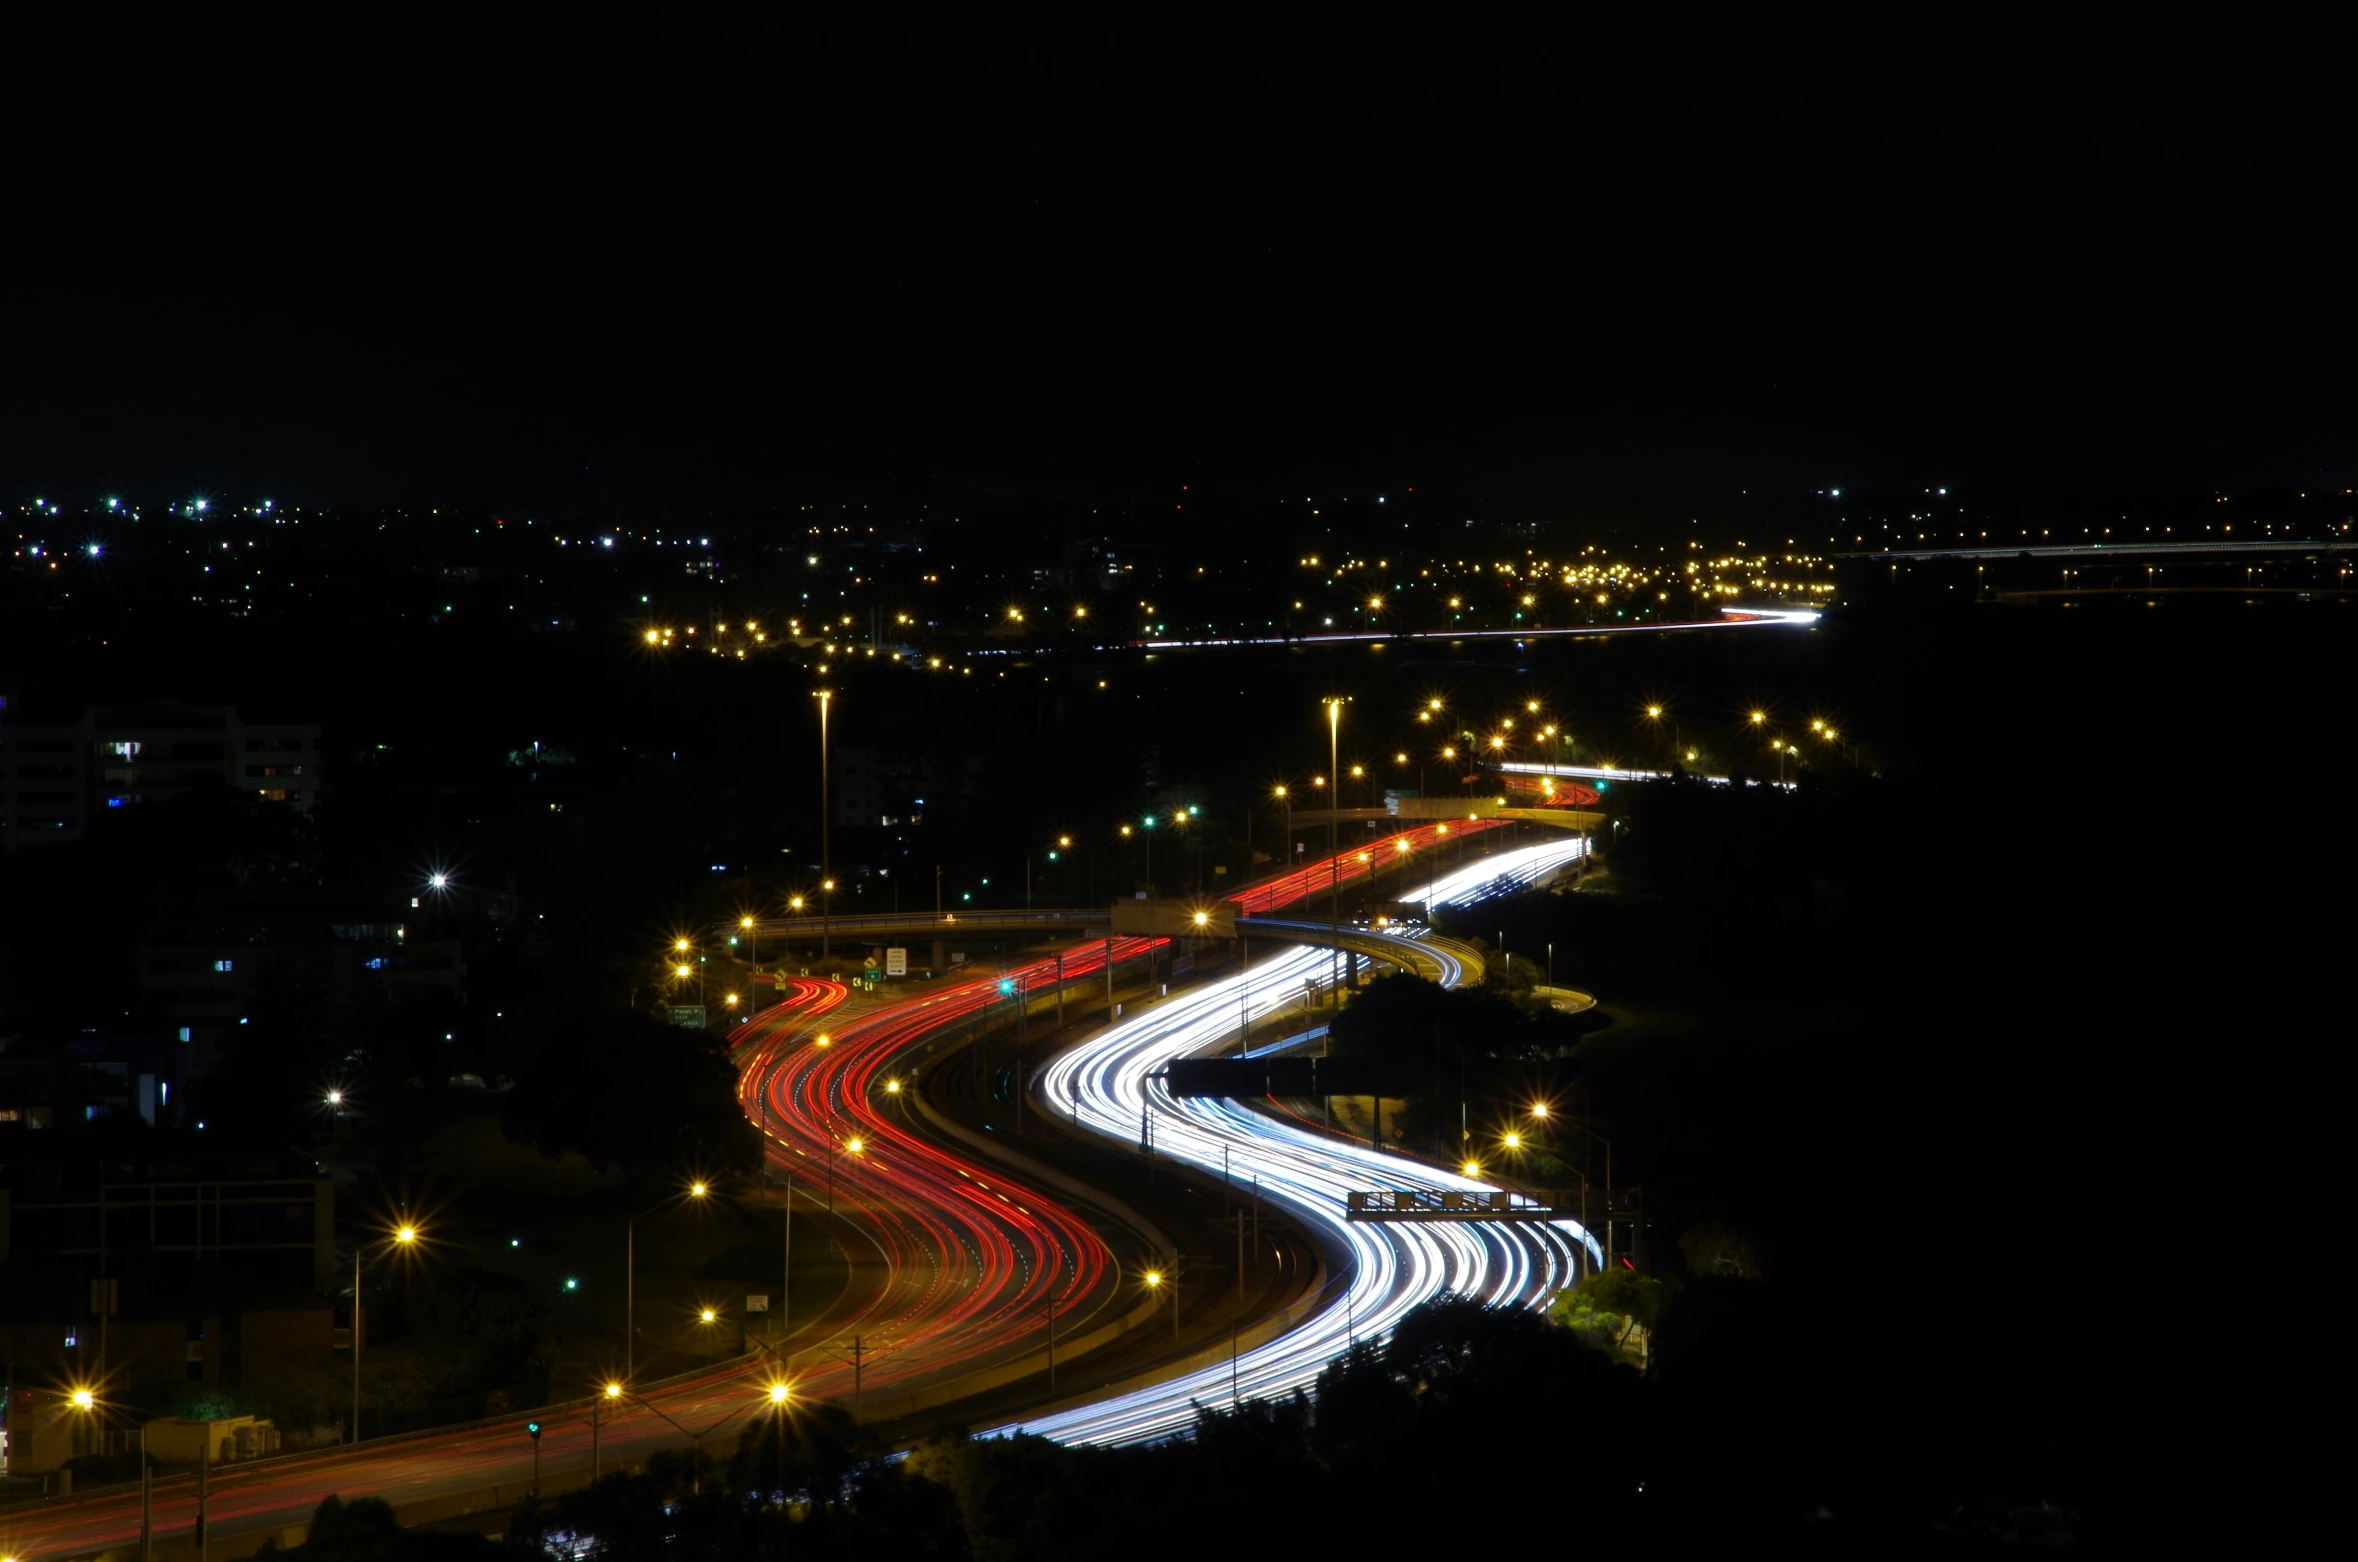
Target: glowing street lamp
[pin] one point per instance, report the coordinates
(826, 824)
(1154, 1280)
(402, 1238)
(630, 1281)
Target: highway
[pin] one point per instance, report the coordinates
(956, 1263)
(971, 1259)
(1388, 1269)
(450, 1462)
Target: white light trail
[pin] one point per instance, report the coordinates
(1394, 1265)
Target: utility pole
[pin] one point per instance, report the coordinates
(786, 1262)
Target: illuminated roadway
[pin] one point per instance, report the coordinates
(970, 1257)
(1391, 1266)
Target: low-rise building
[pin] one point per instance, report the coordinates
(54, 779)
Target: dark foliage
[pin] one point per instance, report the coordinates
(364, 1530)
(621, 1089)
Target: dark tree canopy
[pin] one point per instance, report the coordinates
(621, 1089)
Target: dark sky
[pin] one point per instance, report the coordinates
(540, 268)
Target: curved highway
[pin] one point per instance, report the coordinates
(972, 1258)
(975, 1261)
(1392, 1266)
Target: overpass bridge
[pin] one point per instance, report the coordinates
(1429, 823)
(1440, 959)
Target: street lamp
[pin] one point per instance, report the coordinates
(630, 1281)
(1285, 800)
(753, 934)
(1334, 741)
(1155, 1280)
(826, 832)
(851, 1146)
(402, 1238)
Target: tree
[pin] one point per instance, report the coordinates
(1611, 1306)
(620, 1089)
(365, 1530)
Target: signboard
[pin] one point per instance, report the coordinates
(896, 962)
(757, 1304)
(869, 964)
(688, 1016)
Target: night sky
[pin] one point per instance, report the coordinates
(1560, 266)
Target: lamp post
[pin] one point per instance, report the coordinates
(1540, 1112)
(826, 830)
(1285, 800)
(611, 1391)
(851, 1146)
(402, 1238)
(695, 1439)
(630, 1280)
(1334, 742)
(780, 1395)
(85, 1402)
(1155, 1280)
(753, 937)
